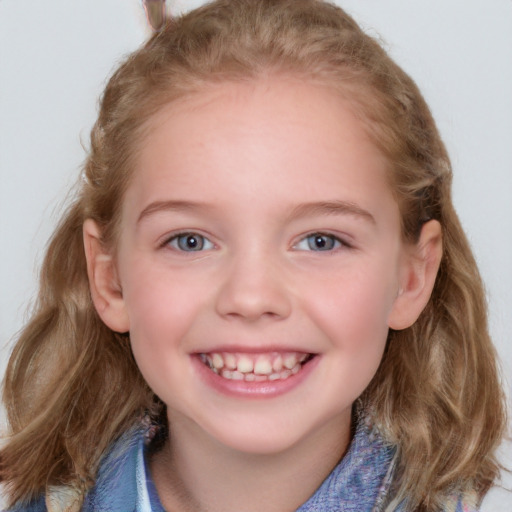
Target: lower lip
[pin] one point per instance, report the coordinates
(243, 389)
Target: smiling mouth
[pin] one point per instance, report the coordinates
(255, 367)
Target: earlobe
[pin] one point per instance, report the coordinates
(418, 277)
(105, 288)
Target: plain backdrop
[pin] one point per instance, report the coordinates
(56, 55)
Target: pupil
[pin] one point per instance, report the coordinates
(192, 242)
(320, 242)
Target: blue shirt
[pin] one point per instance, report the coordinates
(361, 481)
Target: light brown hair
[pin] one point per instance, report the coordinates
(72, 385)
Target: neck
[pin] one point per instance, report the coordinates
(194, 472)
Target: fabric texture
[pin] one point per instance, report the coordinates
(361, 482)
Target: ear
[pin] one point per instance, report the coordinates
(104, 284)
(418, 276)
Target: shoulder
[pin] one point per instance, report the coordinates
(361, 480)
(499, 497)
(116, 484)
(115, 488)
(37, 505)
(464, 503)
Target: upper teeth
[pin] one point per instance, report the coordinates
(258, 364)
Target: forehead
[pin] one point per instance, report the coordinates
(282, 135)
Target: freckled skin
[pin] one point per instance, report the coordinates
(252, 154)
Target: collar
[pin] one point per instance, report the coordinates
(360, 482)
(362, 479)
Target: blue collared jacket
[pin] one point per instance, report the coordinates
(361, 482)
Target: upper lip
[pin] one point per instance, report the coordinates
(260, 349)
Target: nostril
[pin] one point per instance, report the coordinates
(255, 313)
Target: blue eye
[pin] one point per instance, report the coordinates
(190, 242)
(319, 242)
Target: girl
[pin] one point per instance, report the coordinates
(261, 297)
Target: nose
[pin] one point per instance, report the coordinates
(253, 288)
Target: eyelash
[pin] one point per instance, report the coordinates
(200, 243)
(189, 236)
(332, 242)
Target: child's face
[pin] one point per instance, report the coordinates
(259, 230)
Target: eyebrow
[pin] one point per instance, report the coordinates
(331, 208)
(171, 206)
(301, 210)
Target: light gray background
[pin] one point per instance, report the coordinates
(55, 56)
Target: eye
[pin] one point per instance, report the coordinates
(190, 242)
(319, 242)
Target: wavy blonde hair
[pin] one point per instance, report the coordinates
(436, 395)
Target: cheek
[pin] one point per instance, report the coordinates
(161, 305)
(353, 308)
(161, 310)
(353, 319)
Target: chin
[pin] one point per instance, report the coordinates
(258, 443)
